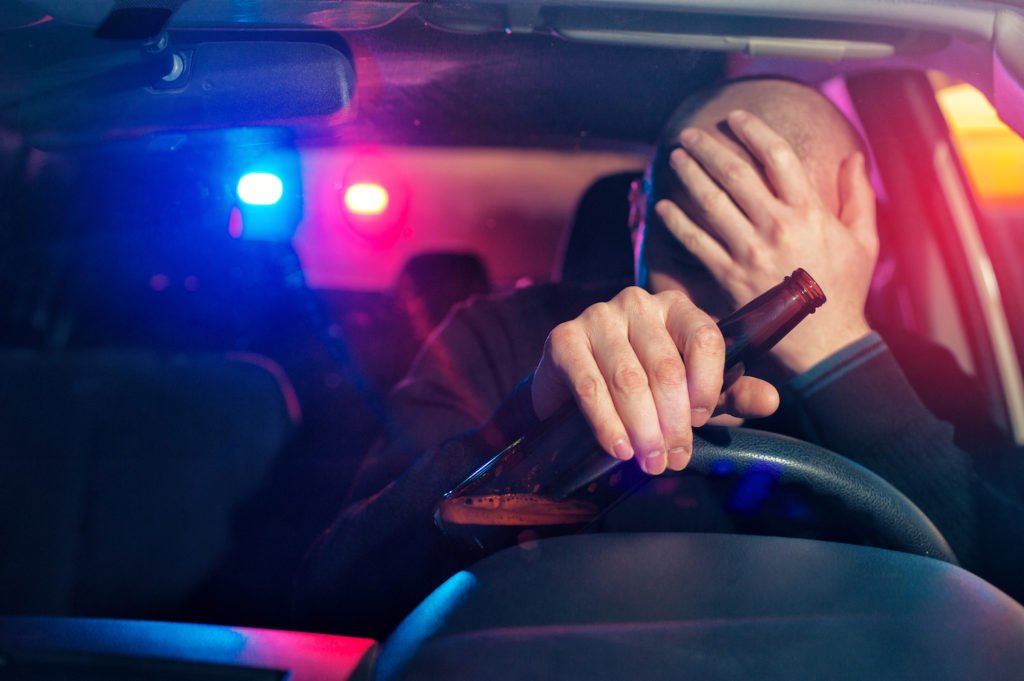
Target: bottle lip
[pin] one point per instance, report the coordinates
(808, 287)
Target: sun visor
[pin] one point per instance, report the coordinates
(198, 79)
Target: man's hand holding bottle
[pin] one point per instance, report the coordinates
(644, 369)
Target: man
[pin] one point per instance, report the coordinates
(750, 181)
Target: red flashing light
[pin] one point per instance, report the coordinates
(366, 199)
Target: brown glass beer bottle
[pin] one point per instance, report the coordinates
(557, 479)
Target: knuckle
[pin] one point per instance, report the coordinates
(670, 372)
(734, 172)
(707, 337)
(735, 271)
(634, 297)
(755, 259)
(673, 297)
(692, 240)
(775, 224)
(599, 314)
(629, 379)
(561, 337)
(586, 388)
(710, 200)
(779, 154)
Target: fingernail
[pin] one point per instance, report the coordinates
(622, 450)
(677, 157)
(689, 136)
(698, 416)
(678, 453)
(649, 462)
(738, 116)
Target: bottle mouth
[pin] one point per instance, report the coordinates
(809, 289)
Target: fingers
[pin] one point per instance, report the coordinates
(629, 388)
(644, 369)
(735, 175)
(703, 349)
(702, 245)
(569, 356)
(857, 202)
(720, 212)
(667, 377)
(784, 169)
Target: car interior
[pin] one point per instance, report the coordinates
(204, 304)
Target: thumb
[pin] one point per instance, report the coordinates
(857, 201)
(749, 398)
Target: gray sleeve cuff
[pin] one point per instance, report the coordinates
(837, 365)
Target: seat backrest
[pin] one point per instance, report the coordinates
(120, 472)
(598, 247)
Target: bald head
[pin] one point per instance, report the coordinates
(819, 133)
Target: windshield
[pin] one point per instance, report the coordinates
(262, 265)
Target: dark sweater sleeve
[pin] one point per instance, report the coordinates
(466, 390)
(384, 554)
(862, 406)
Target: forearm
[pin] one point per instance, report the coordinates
(861, 405)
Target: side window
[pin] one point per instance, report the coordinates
(913, 289)
(937, 276)
(993, 156)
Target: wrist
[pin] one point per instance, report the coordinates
(800, 353)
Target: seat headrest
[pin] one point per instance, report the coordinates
(598, 247)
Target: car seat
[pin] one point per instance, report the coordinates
(598, 248)
(121, 471)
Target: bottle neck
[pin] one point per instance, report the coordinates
(754, 329)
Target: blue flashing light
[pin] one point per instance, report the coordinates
(260, 189)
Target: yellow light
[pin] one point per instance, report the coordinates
(366, 199)
(992, 153)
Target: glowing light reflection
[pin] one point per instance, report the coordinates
(366, 198)
(992, 153)
(260, 189)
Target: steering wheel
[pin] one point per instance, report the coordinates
(874, 505)
(670, 604)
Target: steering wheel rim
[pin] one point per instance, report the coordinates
(885, 512)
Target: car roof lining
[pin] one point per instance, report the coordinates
(956, 17)
(979, 42)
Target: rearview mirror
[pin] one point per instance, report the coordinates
(197, 80)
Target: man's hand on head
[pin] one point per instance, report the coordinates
(644, 369)
(750, 230)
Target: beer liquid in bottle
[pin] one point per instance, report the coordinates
(557, 480)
